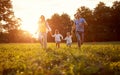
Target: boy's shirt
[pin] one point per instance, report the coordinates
(57, 37)
(68, 39)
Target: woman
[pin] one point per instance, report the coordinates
(43, 28)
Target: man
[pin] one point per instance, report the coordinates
(79, 28)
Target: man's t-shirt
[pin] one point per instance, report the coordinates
(79, 23)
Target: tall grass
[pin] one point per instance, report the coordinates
(31, 59)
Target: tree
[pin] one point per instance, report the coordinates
(10, 25)
(60, 22)
(116, 19)
(8, 21)
(102, 14)
(55, 22)
(66, 23)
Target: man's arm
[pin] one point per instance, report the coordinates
(85, 23)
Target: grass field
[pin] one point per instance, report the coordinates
(30, 59)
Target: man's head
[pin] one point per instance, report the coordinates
(75, 15)
(78, 15)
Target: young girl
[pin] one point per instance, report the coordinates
(68, 39)
(58, 37)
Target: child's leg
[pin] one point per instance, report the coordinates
(67, 45)
(58, 44)
(70, 44)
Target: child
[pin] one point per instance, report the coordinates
(68, 39)
(58, 37)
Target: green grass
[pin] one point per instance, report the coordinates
(29, 59)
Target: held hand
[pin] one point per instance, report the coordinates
(51, 33)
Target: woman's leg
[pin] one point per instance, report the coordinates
(44, 40)
(41, 39)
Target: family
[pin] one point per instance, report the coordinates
(44, 28)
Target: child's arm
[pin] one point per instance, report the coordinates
(53, 35)
(61, 36)
(65, 38)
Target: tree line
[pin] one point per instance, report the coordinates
(103, 23)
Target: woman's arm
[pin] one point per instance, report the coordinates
(48, 27)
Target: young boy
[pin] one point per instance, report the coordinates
(58, 37)
(68, 39)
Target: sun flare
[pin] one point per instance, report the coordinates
(30, 25)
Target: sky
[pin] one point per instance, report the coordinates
(30, 10)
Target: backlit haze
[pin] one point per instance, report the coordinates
(30, 10)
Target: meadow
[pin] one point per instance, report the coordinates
(29, 59)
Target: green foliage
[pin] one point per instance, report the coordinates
(61, 22)
(30, 59)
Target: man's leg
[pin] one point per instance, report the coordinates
(78, 38)
(82, 37)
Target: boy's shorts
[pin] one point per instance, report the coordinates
(69, 44)
(57, 41)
